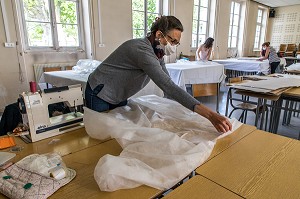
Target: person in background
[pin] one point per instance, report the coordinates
(270, 54)
(131, 66)
(204, 51)
(263, 51)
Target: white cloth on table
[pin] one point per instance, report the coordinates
(64, 78)
(245, 65)
(293, 67)
(71, 77)
(162, 143)
(195, 72)
(248, 58)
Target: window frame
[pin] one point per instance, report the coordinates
(146, 13)
(231, 25)
(53, 23)
(198, 23)
(260, 24)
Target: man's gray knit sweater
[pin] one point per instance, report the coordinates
(129, 68)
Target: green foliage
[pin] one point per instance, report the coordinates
(36, 10)
(138, 16)
(66, 11)
(39, 11)
(66, 14)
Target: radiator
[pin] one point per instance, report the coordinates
(38, 68)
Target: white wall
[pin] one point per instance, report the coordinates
(116, 25)
(12, 78)
(287, 21)
(250, 28)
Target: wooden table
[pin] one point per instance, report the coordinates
(276, 97)
(226, 142)
(198, 78)
(63, 144)
(85, 186)
(200, 187)
(261, 165)
(82, 153)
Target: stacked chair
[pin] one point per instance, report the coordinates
(282, 49)
(290, 50)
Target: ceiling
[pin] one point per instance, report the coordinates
(278, 3)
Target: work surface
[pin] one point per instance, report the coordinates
(80, 152)
(247, 163)
(262, 165)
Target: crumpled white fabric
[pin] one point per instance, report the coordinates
(162, 143)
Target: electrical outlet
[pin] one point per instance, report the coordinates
(101, 45)
(9, 45)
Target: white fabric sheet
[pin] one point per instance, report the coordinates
(162, 143)
(64, 78)
(293, 67)
(71, 77)
(245, 65)
(195, 72)
(248, 58)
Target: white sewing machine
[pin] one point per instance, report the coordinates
(35, 111)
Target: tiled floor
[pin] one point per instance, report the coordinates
(291, 130)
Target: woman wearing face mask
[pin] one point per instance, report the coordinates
(270, 54)
(204, 51)
(263, 51)
(131, 66)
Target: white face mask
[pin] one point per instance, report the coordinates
(264, 48)
(169, 49)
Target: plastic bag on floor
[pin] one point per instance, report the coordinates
(162, 143)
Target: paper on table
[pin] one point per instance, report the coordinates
(271, 84)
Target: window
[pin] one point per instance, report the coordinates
(144, 13)
(200, 22)
(234, 24)
(51, 24)
(259, 26)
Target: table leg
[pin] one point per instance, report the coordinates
(279, 105)
(227, 100)
(218, 92)
(257, 111)
(263, 113)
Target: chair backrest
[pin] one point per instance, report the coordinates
(69, 67)
(49, 69)
(291, 47)
(200, 90)
(235, 79)
(282, 47)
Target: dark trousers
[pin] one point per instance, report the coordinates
(274, 65)
(97, 104)
(10, 119)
